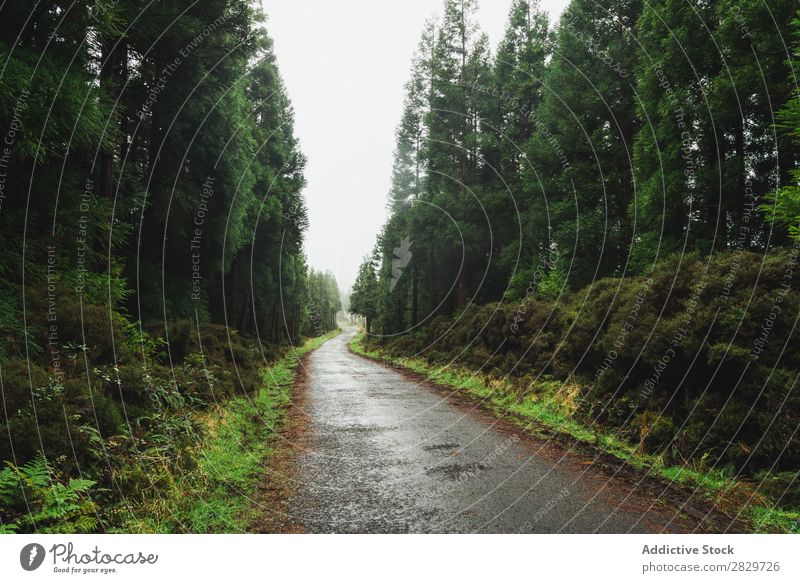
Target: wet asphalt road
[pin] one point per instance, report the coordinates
(387, 454)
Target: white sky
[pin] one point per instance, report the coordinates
(345, 63)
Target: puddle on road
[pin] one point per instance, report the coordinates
(441, 446)
(456, 471)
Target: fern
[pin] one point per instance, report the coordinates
(10, 486)
(43, 503)
(14, 481)
(36, 473)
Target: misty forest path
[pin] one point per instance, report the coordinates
(384, 453)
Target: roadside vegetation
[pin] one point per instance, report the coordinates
(687, 393)
(218, 495)
(191, 464)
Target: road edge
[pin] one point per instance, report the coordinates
(276, 485)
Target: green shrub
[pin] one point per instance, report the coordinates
(32, 498)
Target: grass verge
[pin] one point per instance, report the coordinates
(730, 495)
(238, 438)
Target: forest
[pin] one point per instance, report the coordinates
(593, 224)
(153, 265)
(603, 214)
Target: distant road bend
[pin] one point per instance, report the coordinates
(385, 454)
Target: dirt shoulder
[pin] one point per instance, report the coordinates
(278, 485)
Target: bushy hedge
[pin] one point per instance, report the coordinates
(696, 359)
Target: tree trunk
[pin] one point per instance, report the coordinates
(462, 285)
(400, 313)
(431, 281)
(414, 295)
(740, 235)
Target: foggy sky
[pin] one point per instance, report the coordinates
(345, 63)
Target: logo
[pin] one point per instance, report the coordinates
(31, 556)
(403, 254)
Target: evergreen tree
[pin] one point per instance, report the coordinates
(460, 64)
(580, 176)
(324, 303)
(364, 298)
(515, 93)
(709, 153)
(159, 139)
(784, 205)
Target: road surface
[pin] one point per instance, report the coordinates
(384, 453)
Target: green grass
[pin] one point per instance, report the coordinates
(547, 412)
(232, 459)
(238, 440)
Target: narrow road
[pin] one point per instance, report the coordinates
(387, 454)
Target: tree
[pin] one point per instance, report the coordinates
(783, 206)
(167, 151)
(323, 303)
(507, 191)
(580, 175)
(364, 297)
(708, 153)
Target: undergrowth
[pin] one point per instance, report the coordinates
(185, 455)
(217, 497)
